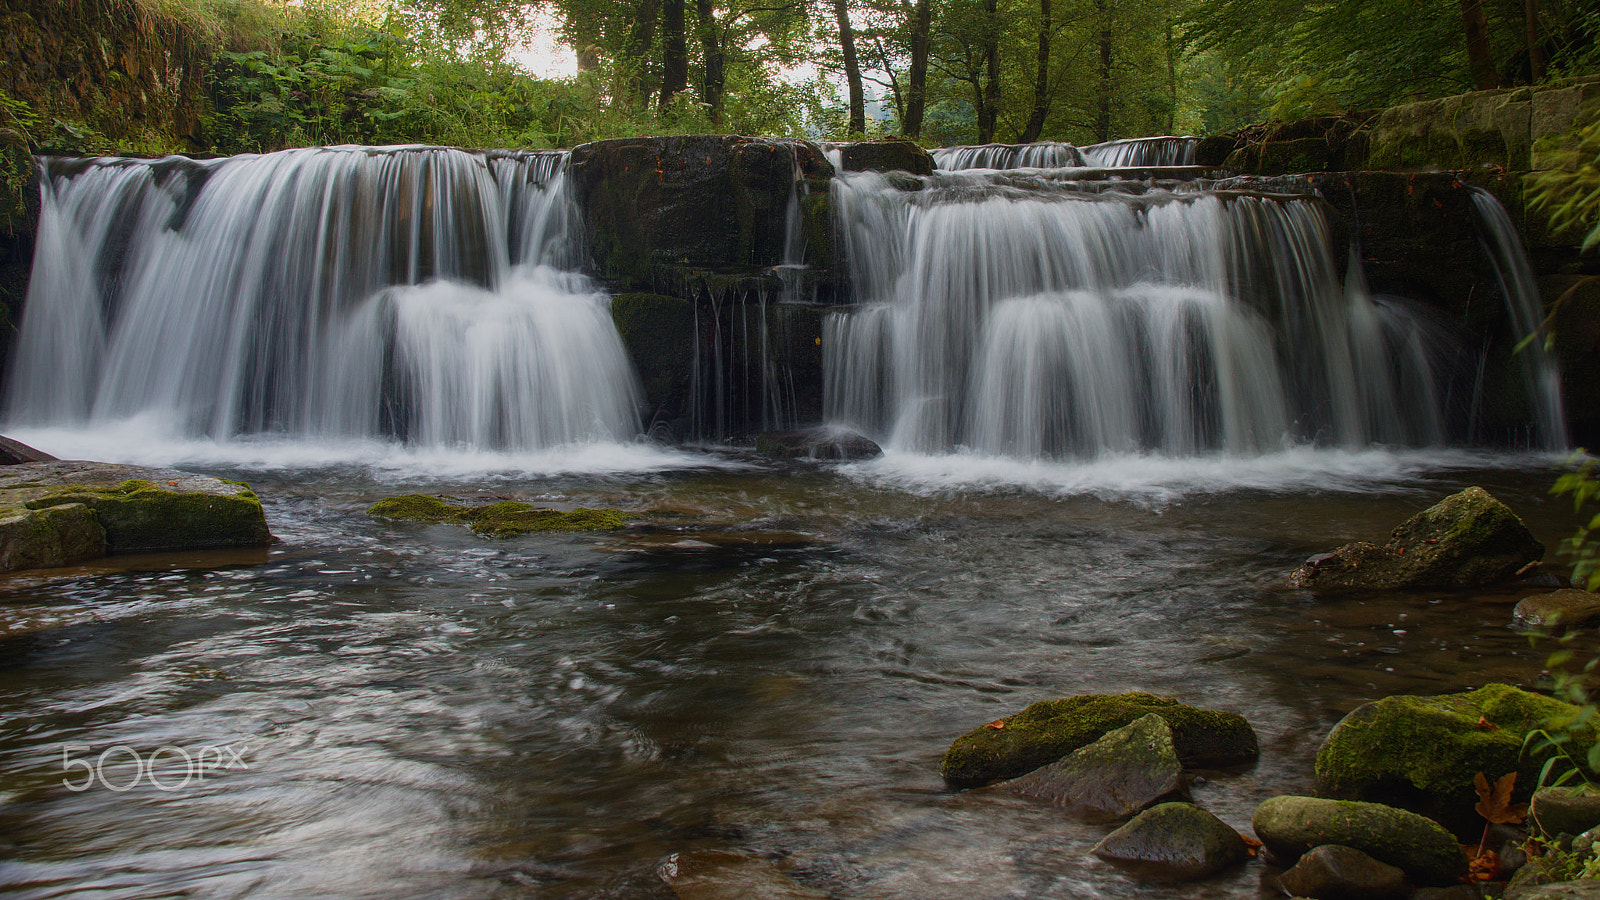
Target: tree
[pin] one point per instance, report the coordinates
(852, 68)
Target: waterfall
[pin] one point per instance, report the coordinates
(1543, 380)
(422, 294)
(1031, 314)
(1129, 153)
(1141, 152)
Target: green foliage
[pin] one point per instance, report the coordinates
(1583, 485)
(1569, 190)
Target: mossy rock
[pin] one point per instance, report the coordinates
(1291, 826)
(1049, 730)
(892, 155)
(1174, 842)
(1127, 770)
(1466, 540)
(58, 512)
(507, 518)
(1422, 753)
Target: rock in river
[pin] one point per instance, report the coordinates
(1046, 731)
(60, 512)
(1174, 841)
(1421, 847)
(1128, 769)
(1465, 540)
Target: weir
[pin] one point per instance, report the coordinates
(1023, 300)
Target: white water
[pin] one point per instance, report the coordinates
(331, 294)
(1127, 153)
(1025, 316)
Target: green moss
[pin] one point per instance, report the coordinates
(414, 507)
(1047, 731)
(139, 515)
(504, 519)
(1427, 852)
(1428, 749)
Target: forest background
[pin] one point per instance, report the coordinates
(273, 75)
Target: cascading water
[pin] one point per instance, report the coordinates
(414, 293)
(1129, 153)
(1543, 380)
(1033, 315)
(1141, 152)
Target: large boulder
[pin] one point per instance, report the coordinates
(655, 208)
(890, 155)
(1291, 826)
(1334, 872)
(1174, 841)
(1564, 810)
(1465, 540)
(1557, 610)
(1423, 753)
(1127, 770)
(61, 512)
(1046, 731)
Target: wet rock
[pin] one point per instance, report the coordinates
(1125, 771)
(656, 207)
(1046, 731)
(1335, 872)
(14, 452)
(504, 519)
(1564, 810)
(727, 875)
(818, 443)
(1291, 826)
(1584, 889)
(1174, 841)
(60, 512)
(659, 334)
(1422, 753)
(1558, 610)
(1465, 540)
(884, 156)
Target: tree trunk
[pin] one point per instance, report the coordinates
(641, 38)
(674, 52)
(1102, 119)
(917, 93)
(1535, 45)
(989, 93)
(716, 77)
(1172, 82)
(1479, 58)
(1041, 79)
(852, 69)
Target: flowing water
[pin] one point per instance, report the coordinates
(1116, 415)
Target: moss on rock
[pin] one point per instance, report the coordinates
(1422, 753)
(1174, 841)
(137, 514)
(1291, 826)
(504, 519)
(1049, 730)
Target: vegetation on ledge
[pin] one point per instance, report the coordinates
(507, 518)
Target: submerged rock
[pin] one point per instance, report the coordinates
(504, 519)
(1336, 872)
(60, 512)
(1465, 540)
(1569, 608)
(728, 875)
(1174, 841)
(818, 443)
(1423, 753)
(1564, 810)
(1049, 730)
(1125, 771)
(1422, 848)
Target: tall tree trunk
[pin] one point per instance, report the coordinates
(1172, 82)
(641, 38)
(989, 93)
(674, 51)
(1479, 58)
(1041, 79)
(852, 69)
(1530, 10)
(917, 93)
(716, 77)
(1102, 119)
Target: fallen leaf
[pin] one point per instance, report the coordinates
(1486, 725)
(1494, 804)
(1484, 867)
(173, 483)
(997, 724)
(1251, 844)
